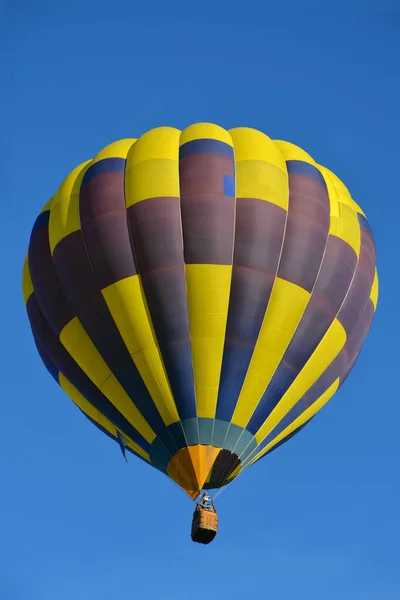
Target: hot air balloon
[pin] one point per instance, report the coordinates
(200, 295)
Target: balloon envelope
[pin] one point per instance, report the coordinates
(200, 295)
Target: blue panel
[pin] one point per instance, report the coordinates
(159, 455)
(107, 165)
(205, 430)
(219, 433)
(225, 435)
(278, 386)
(179, 366)
(130, 379)
(232, 438)
(229, 185)
(235, 363)
(191, 429)
(299, 167)
(206, 146)
(364, 223)
(173, 438)
(42, 220)
(246, 444)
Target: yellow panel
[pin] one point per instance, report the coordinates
(257, 179)
(285, 310)
(375, 290)
(127, 305)
(117, 149)
(152, 167)
(199, 131)
(260, 167)
(96, 415)
(344, 223)
(64, 214)
(349, 227)
(151, 179)
(158, 143)
(75, 339)
(253, 145)
(343, 192)
(325, 353)
(190, 467)
(292, 152)
(303, 418)
(27, 285)
(208, 288)
(333, 202)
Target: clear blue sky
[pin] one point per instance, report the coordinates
(317, 519)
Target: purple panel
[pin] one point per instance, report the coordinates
(334, 279)
(156, 233)
(208, 216)
(258, 234)
(165, 291)
(105, 229)
(358, 295)
(357, 339)
(335, 276)
(78, 280)
(328, 281)
(74, 270)
(345, 360)
(49, 293)
(204, 174)
(306, 231)
(80, 285)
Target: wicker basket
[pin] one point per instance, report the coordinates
(204, 525)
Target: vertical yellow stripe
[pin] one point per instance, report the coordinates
(208, 288)
(127, 304)
(152, 167)
(285, 310)
(260, 167)
(64, 213)
(262, 174)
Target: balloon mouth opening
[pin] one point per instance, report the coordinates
(198, 468)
